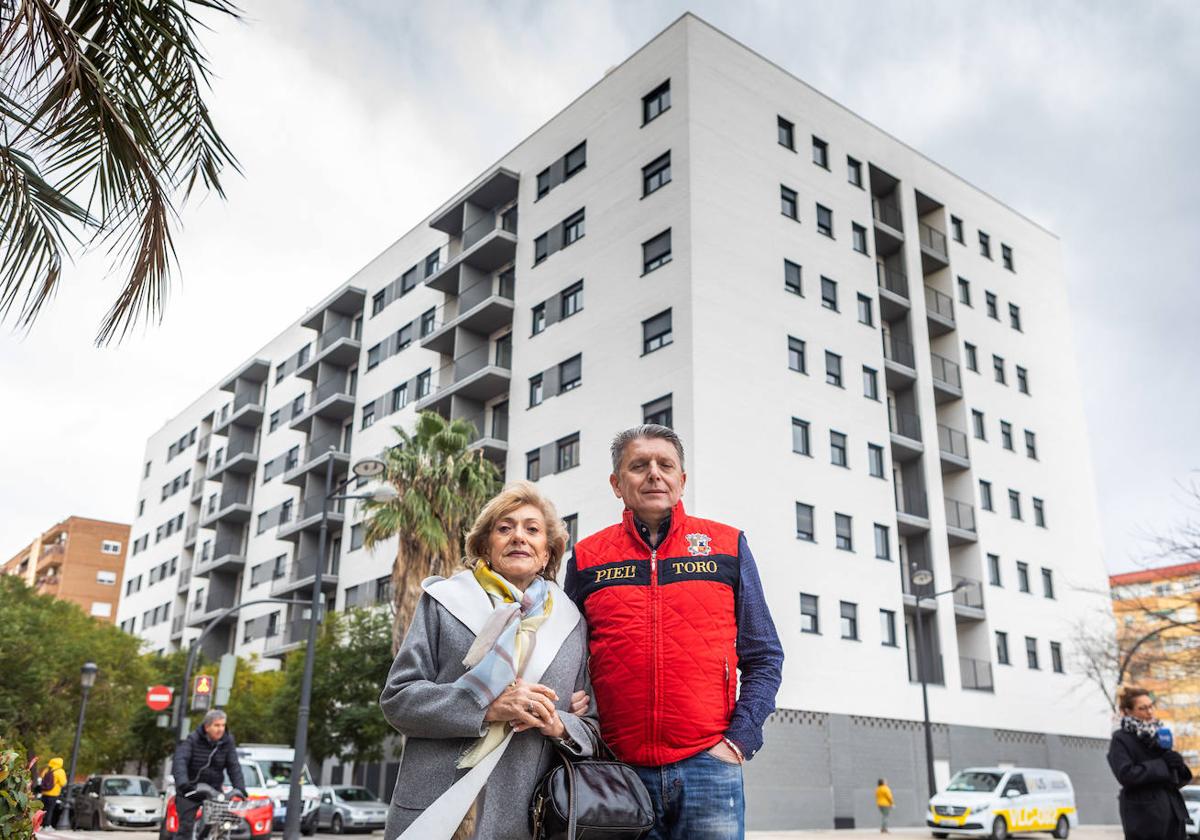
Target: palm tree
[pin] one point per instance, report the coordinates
(441, 487)
(102, 125)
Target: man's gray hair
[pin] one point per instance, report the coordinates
(213, 715)
(646, 430)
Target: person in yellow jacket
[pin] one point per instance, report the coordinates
(883, 798)
(51, 793)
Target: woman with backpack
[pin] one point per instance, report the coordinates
(52, 783)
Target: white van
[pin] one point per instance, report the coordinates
(274, 761)
(1003, 801)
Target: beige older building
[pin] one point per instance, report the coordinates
(80, 560)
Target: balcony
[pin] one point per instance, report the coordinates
(968, 599)
(189, 534)
(934, 255)
(198, 483)
(202, 447)
(492, 442)
(899, 365)
(482, 308)
(939, 311)
(976, 674)
(285, 639)
(177, 627)
(337, 345)
(952, 446)
(480, 374)
(230, 506)
(308, 518)
(960, 522)
(912, 510)
(201, 613)
(934, 672)
(889, 224)
(330, 445)
(227, 556)
(242, 461)
(301, 575)
(332, 400)
(488, 244)
(245, 410)
(255, 370)
(51, 556)
(906, 435)
(947, 379)
(893, 291)
(184, 581)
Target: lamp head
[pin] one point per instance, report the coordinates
(922, 577)
(369, 468)
(87, 674)
(384, 493)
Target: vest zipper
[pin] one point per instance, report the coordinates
(727, 710)
(654, 701)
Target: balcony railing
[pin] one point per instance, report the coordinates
(969, 593)
(480, 228)
(934, 673)
(960, 515)
(343, 329)
(898, 350)
(911, 500)
(888, 213)
(892, 279)
(952, 442)
(202, 447)
(177, 625)
(976, 674)
(469, 363)
(906, 425)
(939, 303)
(933, 240)
(337, 385)
(946, 372)
(227, 548)
(248, 398)
(327, 441)
(189, 533)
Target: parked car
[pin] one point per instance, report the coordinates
(274, 762)
(350, 808)
(105, 802)
(256, 810)
(1191, 798)
(999, 802)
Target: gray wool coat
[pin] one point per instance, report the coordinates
(440, 722)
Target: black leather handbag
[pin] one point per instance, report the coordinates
(594, 798)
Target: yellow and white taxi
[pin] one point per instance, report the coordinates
(1000, 802)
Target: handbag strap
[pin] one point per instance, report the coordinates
(571, 815)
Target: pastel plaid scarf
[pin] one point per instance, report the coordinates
(500, 651)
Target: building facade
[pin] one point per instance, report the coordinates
(869, 360)
(1165, 599)
(80, 560)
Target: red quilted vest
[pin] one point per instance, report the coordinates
(663, 635)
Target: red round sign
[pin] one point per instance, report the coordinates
(158, 697)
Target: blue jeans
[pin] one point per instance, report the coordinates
(699, 798)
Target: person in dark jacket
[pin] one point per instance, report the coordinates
(204, 756)
(1149, 772)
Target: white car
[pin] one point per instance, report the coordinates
(274, 761)
(1000, 802)
(1191, 798)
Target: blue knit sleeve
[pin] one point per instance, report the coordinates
(760, 658)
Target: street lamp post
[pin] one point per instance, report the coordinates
(366, 468)
(920, 579)
(87, 679)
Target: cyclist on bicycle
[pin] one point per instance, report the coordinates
(206, 756)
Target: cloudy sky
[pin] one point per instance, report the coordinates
(354, 119)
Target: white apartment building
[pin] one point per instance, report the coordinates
(869, 360)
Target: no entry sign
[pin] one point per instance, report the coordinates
(158, 697)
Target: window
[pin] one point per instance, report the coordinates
(796, 357)
(110, 547)
(1056, 657)
(972, 358)
(1048, 584)
(656, 332)
(356, 537)
(854, 172)
(833, 368)
(141, 507)
(820, 152)
(858, 237)
(101, 609)
(423, 383)
(849, 621)
(1001, 648)
(571, 523)
(404, 337)
(1014, 504)
(843, 528)
(870, 383)
(1007, 256)
(570, 373)
(865, 315)
(571, 299)
(985, 245)
(998, 369)
(787, 203)
(1039, 512)
(1023, 577)
(533, 465)
(829, 294)
(875, 460)
(535, 390)
(568, 452)
(146, 470)
(656, 174)
(539, 318)
(656, 101)
(883, 542)
(374, 355)
(791, 278)
(408, 282)
(106, 578)
(990, 302)
(804, 522)
(993, 562)
(964, 291)
(575, 160)
(428, 321)
(837, 449)
(658, 412)
(956, 228)
(800, 437)
(368, 416)
(1022, 380)
(1006, 435)
(985, 495)
(274, 422)
(824, 220)
(887, 628)
(1031, 653)
(572, 228)
(543, 182)
(787, 133)
(1030, 444)
(808, 614)
(433, 262)
(541, 248)
(399, 396)
(656, 252)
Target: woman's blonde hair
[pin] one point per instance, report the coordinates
(513, 496)
(1128, 694)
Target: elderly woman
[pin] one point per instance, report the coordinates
(486, 679)
(1149, 771)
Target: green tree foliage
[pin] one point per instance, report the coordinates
(251, 709)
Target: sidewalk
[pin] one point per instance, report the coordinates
(1087, 832)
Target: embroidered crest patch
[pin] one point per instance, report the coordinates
(698, 545)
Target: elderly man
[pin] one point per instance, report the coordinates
(205, 756)
(675, 610)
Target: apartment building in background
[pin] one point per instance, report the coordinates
(869, 361)
(80, 560)
(1169, 667)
